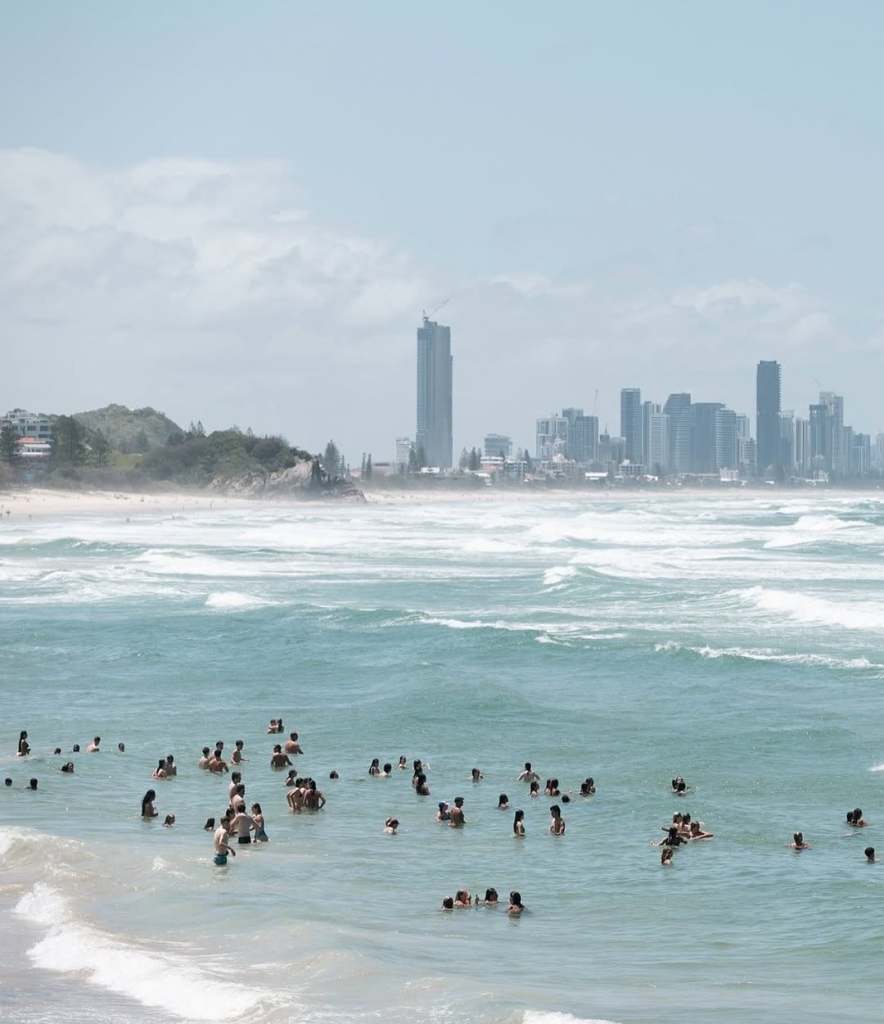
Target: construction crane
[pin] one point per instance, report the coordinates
(436, 308)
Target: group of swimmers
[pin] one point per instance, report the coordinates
(302, 794)
(462, 899)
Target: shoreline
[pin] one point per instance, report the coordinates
(43, 503)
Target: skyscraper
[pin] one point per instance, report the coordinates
(678, 409)
(631, 423)
(434, 387)
(655, 438)
(703, 414)
(767, 411)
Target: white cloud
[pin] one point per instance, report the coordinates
(206, 288)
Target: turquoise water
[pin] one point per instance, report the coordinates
(737, 640)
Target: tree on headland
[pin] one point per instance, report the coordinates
(475, 459)
(100, 448)
(412, 460)
(331, 460)
(68, 448)
(420, 457)
(464, 461)
(8, 438)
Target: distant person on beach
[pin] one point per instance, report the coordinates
(403, 763)
(171, 768)
(235, 780)
(448, 903)
(516, 906)
(421, 787)
(375, 767)
(75, 749)
(121, 747)
(94, 746)
(443, 813)
(679, 786)
(68, 768)
(477, 775)
(457, 816)
(333, 775)
(24, 748)
(587, 787)
(57, 750)
(387, 770)
(528, 774)
(148, 804)
(462, 898)
(519, 825)
(272, 726)
(390, 826)
(855, 818)
(7, 782)
(534, 788)
(220, 842)
(237, 756)
(557, 822)
(169, 820)
(204, 760)
(490, 897)
(278, 759)
(870, 854)
(503, 802)
(666, 856)
(258, 818)
(290, 779)
(295, 797)
(798, 842)
(217, 765)
(292, 746)
(32, 784)
(160, 771)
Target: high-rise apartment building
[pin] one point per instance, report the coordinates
(767, 411)
(404, 451)
(583, 436)
(803, 459)
(836, 446)
(631, 423)
(552, 437)
(704, 458)
(724, 439)
(655, 438)
(434, 393)
(678, 409)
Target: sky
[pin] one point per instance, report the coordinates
(238, 212)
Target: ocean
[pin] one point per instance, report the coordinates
(736, 639)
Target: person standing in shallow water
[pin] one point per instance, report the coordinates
(148, 804)
(24, 748)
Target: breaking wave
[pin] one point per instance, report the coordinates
(764, 654)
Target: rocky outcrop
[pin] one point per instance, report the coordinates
(303, 480)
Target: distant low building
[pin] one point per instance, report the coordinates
(498, 446)
(33, 449)
(32, 425)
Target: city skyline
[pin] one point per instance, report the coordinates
(213, 265)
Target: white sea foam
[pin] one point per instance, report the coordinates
(877, 768)
(765, 654)
(812, 529)
(156, 979)
(557, 575)
(546, 1017)
(232, 601)
(812, 610)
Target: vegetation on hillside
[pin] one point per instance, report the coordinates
(129, 430)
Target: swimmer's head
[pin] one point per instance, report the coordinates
(209, 825)
(206, 751)
(392, 823)
(388, 768)
(870, 853)
(798, 838)
(256, 809)
(491, 895)
(170, 759)
(458, 801)
(527, 766)
(96, 740)
(333, 775)
(566, 799)
(502, 800)
(170, 820)
(57, 750)
(293, 736)
(516, 899)
(239, 744)
(7, 782)
(122, 748)
(76, 748)
(235, 777)
(32, 784)
(448, 903)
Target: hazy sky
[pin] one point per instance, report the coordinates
(236, 211)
